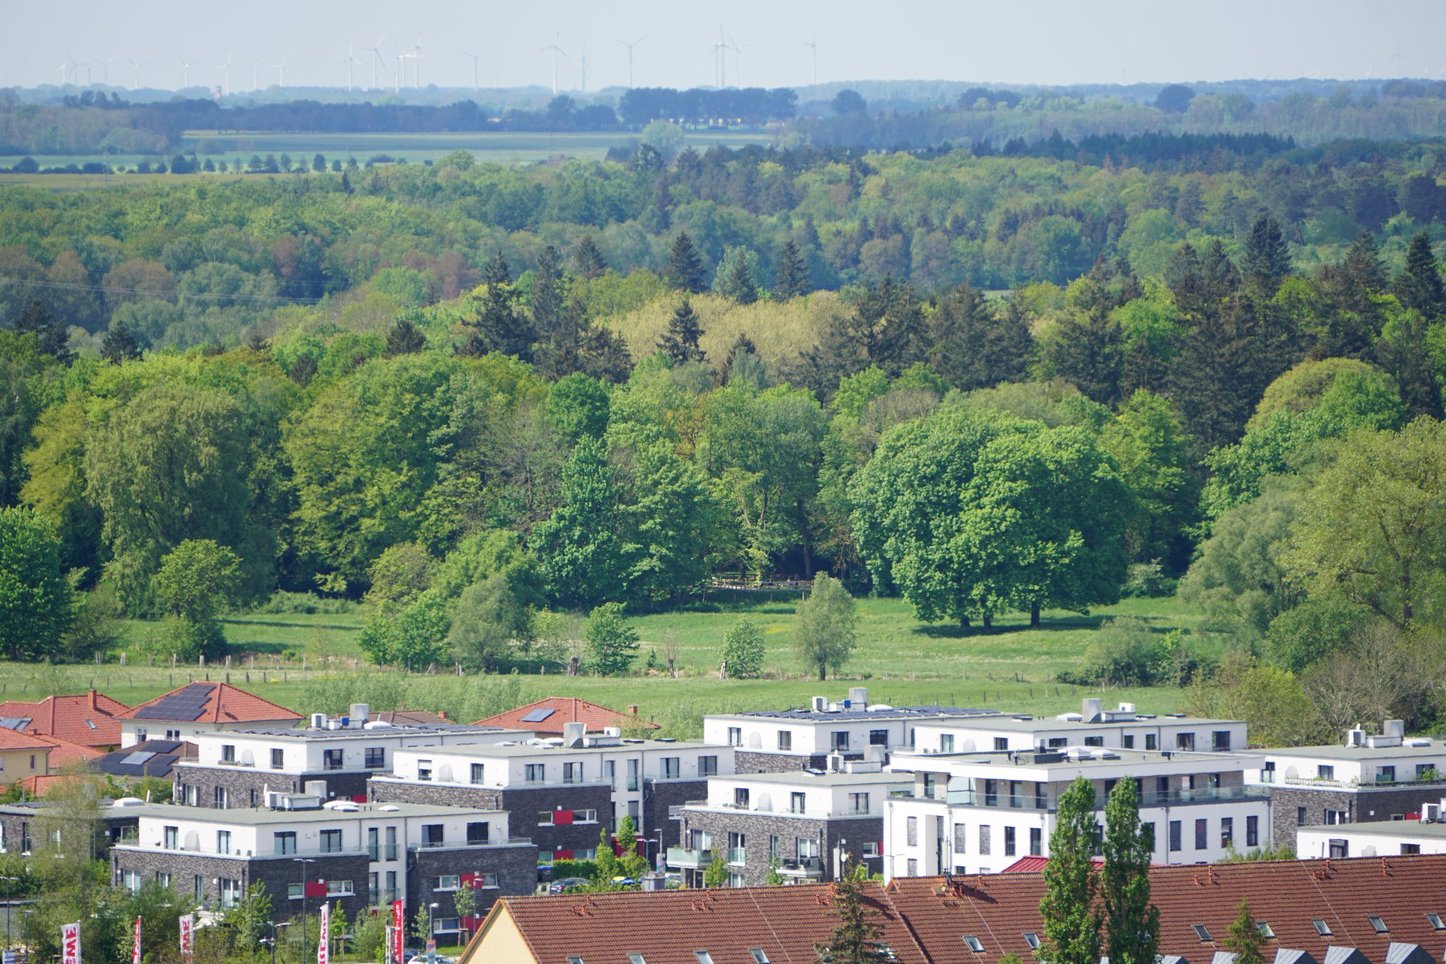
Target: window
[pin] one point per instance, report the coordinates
(703, 957)
(332, 760)
(222, 797)
(373, 845)
(1128, 741)
(1252, 831)
(477, 834)
(535, 772)
(1425, 771)
(879, 738)
(632, 774)
(1184, 741)
(1009, 841)
(773, 851)
(740, 797)
(572, 773)
(478, 773)
(984, 841)
(1036, 842)
(339, 888)
(871, 848)
(1386, 775)
(1300, 816)
(293, 891)
(131, 880)
(392, 892)
(1322, 928)
(758, 956)
(1378, 925)
(1227, 831)
(375, 757)
(911, 831)
(1435, 921)
(1032, 940)
(795, 802)
(1001, 743)
(331, 841)
(278, 758)
(1325, 771)
(1265, 929)
(913, 867)
(488, 879)
(1147, 833)
(169, 835)
(1201, 931)
(1410, 848)
(961, 838)
(785, 740)
(858, 803)
(931, 786)
(1094, 741)
(636, 959)
(447, 882)
(223, 841)
(1174, 836)
(672, 767)
(584, 816)
(737, 848)
(424, 771)
(163, 878)
(946, 743)
(1220, 741)
(1202, 833)
(1041, 796)
(972, 942)
(838, 741)
(991, 793)
(1333, 817)
(391, 846)
(431, 835)
(544, 818)
(707, 766)
(228, 753)
(140, 734)
(1151, 742)
(735, 736)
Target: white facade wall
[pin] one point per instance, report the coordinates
(822, 798)
(138, 731)
(1161, 733)
(1369, 767)
(310, 754)
(1313, 842)
(762, 734)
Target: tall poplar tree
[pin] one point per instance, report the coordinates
(1132, 921)
(1071, 919)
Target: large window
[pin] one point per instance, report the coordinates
(672, 767)
(796, 802)
(785, 740)
(1202, 834)
(278, 758)
(285, 841)
(376, 758)
(1252, 831)
(535, 772)
(223, 841)
(572, 773)
(1175, 830)
(228, 753)
(1009, 841)
(477, 834)
(858, 803)
(424, 771)
(332, 759)
(707, 766)
(170, 836)
(478, 773)
(331, 841)
(838, 741)
(431, 835)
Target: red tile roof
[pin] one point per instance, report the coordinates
(565, 709)
(86, 718)
(224, 704)
(67, 753)
(928, 918)
(11, 740)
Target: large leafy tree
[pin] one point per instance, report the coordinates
(612, 644)
(35, 602)
(1132, 921)
(826, 627)
(1069, 906)
(196, 582)
(584, 546)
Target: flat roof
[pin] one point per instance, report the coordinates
(1342, 752)
(1384, 828)
(532, 749)
(801, 777)
(355, 732)
(1036, 723)
(260, 816)
(1098, 756)
(876, 712)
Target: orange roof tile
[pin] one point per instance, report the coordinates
(11, 740)
(67, 753)
(928, 918)
(86, 718)
(564, 709)
(223, 704)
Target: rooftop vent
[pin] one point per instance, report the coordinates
(1091, 709)
(820, 704)
(318, 721)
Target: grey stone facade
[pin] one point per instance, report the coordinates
(745, 761)
(23, 826)
(247, 786)
(515, 866)
(1359, 804)
(523, 806)
(196, 875)
(759, 829)
(661, 796)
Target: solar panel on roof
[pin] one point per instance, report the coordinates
(184, 704)
(538, 715)
(136, 759)
(14, 722)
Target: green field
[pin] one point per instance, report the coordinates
(311, 662)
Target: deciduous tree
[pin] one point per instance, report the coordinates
(826, 626)
(1069, 906)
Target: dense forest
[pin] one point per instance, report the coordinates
(480, 397)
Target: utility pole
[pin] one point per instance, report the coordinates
(303, 861)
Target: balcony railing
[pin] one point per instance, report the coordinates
(1273, 777)
(683, 857)
(737, 856)
(1150, 798)
(802, 867)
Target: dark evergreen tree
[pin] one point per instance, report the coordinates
(120, 344)
(549, 294)
(1087, 349)
(53, 339)
(973, 346)
(680, 341)
(1132, 921)
(1267, 259)
(1419, 285)
(303, 370)
(496, 272)
(685, 266)
(605, 355)
(886, 329)
(1350, 317)
(587, 260)
(405, 338)
(739, 284)
(742, 361)
(500, 326)
(1404, 351)
(790, 280)
(856, 934)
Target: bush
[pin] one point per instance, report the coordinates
(1127, 652)
(307, 603)
(743, 649)
(1147, 580)
(1300, 637)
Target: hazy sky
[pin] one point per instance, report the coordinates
(1022, 41)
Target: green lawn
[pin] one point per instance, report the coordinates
(311, 662)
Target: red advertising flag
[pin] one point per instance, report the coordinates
(70, 943)
(323, 942)
(399, 921)
(187, 922)
(136, 944)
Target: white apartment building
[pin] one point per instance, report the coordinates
(1378, 838)
(1094, 726)
(774, 740)
(982, 812)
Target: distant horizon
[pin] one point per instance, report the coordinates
(1048, 43)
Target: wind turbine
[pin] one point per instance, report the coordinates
(105, 71)
(737, 62)
(812, 45)
(557, 52)
(582, 69)
(475, 84)
(280, 74)
(351, 63)
(720, 69)
(630, 47)
(136, 66)
(417, 56)
(376, 52)
(74, 69)
(226, 76)
(64, 75)
(186, 66)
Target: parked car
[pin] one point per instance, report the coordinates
(568, 883)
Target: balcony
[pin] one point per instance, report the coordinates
(804, 868)
(737, 856)
(1150, 798)
(684, 859)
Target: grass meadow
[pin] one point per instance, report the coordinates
(312, 662)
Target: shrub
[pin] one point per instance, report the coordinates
(743, 649)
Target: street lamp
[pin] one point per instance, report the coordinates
(303, 861)
(432, 921)
(272, 939)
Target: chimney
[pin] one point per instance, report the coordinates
(859, 697)
(91, 694)
(1091, 709)
(573, 733)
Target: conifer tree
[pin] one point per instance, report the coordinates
(405, 338)
(1132, 922)
(587, 260)
(120, 344)
(790, 280)
(1419, 285)
(496, 271)
(680, 341)
(856, 933)
(685, 265)
(1267, 259)
(1244, 938)
(1071, 920)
